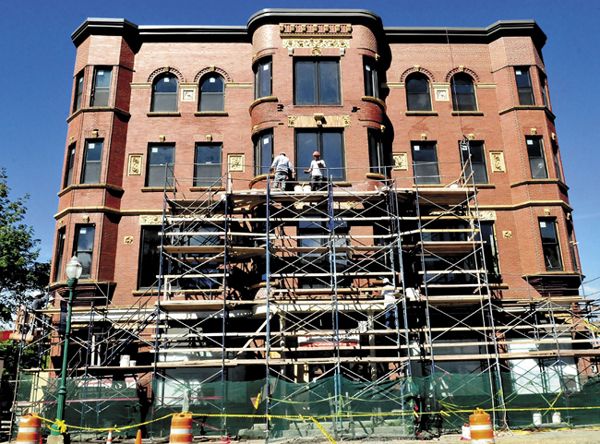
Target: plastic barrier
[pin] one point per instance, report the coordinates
(480, 425)
(181, 429)
(30, 430)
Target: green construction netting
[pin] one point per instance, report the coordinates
(343, 407)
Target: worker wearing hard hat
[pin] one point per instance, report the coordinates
(316, 170)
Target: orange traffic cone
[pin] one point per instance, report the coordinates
(109, 437)
(138, 438)
(481, 428)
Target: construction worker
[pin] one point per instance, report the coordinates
(283, 168)
(316, 170)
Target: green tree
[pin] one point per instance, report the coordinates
(20, 273)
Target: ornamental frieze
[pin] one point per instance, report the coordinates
(316, 43)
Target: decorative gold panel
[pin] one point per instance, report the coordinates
(316, 43)
(400, 161)
(497, 161)
(487, 215)
(147, 219)
(323, 121)
(236, 162)
(128, 240)
(507, 234)
(135, 165)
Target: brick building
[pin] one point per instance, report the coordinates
(442, 239)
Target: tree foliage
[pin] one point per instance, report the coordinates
(20, 273)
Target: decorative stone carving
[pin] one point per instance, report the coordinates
(128, 240)
(316, 43)
(147, 219)
(507, 234)
(188, 95)
(135, 165)
(321, 122)
(497, 161)
(236, 162)
(400, 161)
(314, 28)
(292, 121)
(487, 215)
(442, 95)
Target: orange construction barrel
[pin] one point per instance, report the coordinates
(30, 430)
(181, 429)
(481, 428)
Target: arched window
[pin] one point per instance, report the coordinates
(164, 93)
(212, 93)
(418, 96)
(463, 93)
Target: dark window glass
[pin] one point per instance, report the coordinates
(92, 166)
(477, 163)
(317, 82)
(371, 78)
(160, 166)
(149, 256)
(212, 94)
(263, 79)
(84, 247)
(463, 93)
(555, 155)
(101, 90)
(544, 86)
(60, 249)
(424, 156)
(524, 86)
(550, 245)
(70, 164)
(207, 168)
(78, 91)
(164, 93)
(263, 153)
(377, 161)
(418, 96)
(537, 161)
(572, 247)
(490, 250)
(331, 146)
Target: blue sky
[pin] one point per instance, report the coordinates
(37, 59)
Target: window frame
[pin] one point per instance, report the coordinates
(259, 153)
(61, 236)
(70, 165)
(429, 179)
(78, 96)
(377, 157)
(478, 162)
(148, 264)
(524, 86)
(163, 95)
(409, 94)
(557, 164)
(458, 98)
(150, 167)
(259, 78)
(316, 81)
(324, 149)
(102, 89)
(553, 244)
(91, 163)
(210, 181)
(544, 87)
(371, 77)
(77, 251)
(205, 95)
(540, 158)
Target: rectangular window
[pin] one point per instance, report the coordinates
(92, 165)
(149, 256)
(477, 165)
(263, 153)
(371, 78)
(558, 169)
(425, 160)
(377, 161)
(317, 82)
(524, 86)
(490, 251)
(572, 247)
(550, 245)
(78, 91)
(101, 88)
(84, 247)
(331, 146)
(544, 86)
(537, 161)
(70, 163)
(207, 166)
(60, 249)
(263, 78)
(160, 166)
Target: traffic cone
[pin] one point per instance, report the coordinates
(481, 428)
(466, 432)
(30, 430)
(109, 437)
(138, 438)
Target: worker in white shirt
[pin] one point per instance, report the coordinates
(316, 170)
(283, 169)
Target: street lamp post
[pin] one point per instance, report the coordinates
(73, 271)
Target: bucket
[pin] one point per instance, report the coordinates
(132, 363)
(298, 188)
(307, 188)
(556, 419)
(537, 419)
(124, 361)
